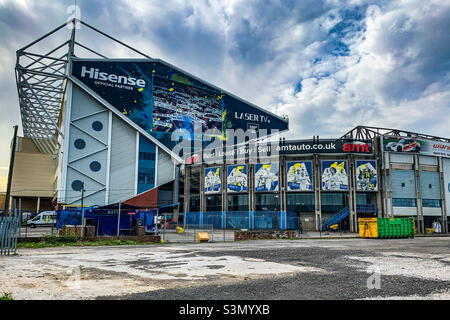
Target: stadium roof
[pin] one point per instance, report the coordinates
(41, 83)
(366, 132)
(42, 80)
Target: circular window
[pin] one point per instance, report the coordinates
(77, 185)
(97, 126)
(80, 144)
(95, 166)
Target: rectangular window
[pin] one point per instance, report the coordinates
(300, 202)
(147, 156)
(238, 202)
(402, 158)
(195, 180)
(366, 202)
(267, 202)
(146, 177)
(194, 204)
(146, 165)
(404, 202)
(431, 203)
(214, 203)
(333, 202)
(427, 160)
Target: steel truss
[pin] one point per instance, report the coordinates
(369, 133)
(41, 84)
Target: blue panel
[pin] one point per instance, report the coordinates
(403, 184)
(146, 166)
(430, 186)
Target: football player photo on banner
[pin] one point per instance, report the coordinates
(299, 176)
(213, 181)
(266, 177)
(366, 175)
(237, 178)
(334, 175)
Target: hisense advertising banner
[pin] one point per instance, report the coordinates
(419, 146)
(162, 99)
(213, 180)
(299, 176)
(237, 178)
(334, 175)
(267, 177)
(366, 175)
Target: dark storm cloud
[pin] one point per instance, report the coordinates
(328, 64)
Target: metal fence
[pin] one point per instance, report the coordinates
(189, 233)
(9, 231)
(239, 220)
(27, 228)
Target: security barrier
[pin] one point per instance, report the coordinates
(249, 220)
(9, 231)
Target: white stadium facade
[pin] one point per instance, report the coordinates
(108, 127)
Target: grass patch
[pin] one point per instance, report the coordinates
(6, 296)
(52, 241)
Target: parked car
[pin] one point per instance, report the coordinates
(43, 219)
(404, 145)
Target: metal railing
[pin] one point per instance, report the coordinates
(189, 233)
(9, 231)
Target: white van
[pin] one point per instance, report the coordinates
(43, 219)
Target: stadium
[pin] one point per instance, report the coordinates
(103, 132)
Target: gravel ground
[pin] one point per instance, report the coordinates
(284, 269)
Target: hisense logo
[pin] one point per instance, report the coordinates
(93, 73)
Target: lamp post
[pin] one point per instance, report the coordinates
(82, 212)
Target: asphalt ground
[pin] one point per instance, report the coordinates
(341, 278)
(311, 269)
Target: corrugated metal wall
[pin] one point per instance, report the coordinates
(165, 168)
(403, 184)
(88, 150)
(430, 186)
(122, 182)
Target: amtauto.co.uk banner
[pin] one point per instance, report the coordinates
(326, 146)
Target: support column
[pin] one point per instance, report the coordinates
(420, 220)
(187, 193)
(317, 191)
(352, 194)
(283, 190)
(38, 204)
(444, 203)
(224, 195)
(202, 189)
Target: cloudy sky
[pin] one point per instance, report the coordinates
(328, 64)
